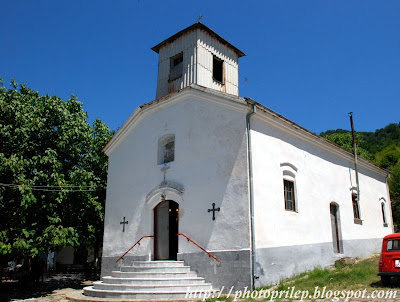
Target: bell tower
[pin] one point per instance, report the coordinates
(197, 55)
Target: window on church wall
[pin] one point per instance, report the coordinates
(288, 189)
(383, 213)
(289, 172)
(356, 208)
(218, 70)
(383, 208)
(166, 149)
(176, 67)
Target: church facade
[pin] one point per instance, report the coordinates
(265, 197)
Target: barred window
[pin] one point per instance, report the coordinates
(290, 202)
(289, 172)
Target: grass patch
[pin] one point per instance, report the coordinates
(352, 277)
(356, 277)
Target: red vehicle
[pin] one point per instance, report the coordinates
(389, 261)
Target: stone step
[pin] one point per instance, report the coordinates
(156, 269)
(152, 288)
(162, 263)
(152, 281)
(173, 295)
(119, 274)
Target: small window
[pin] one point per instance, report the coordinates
(290, 203)
(218, 70)
(383, 214)
(356, 209)
(166, 149)
(176, 67)
(393, 245)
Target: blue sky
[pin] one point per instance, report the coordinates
(311, 61)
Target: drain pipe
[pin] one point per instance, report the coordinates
(251, 191)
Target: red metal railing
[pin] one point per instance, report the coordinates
(137, 243)
(180, 234)
(196, 244)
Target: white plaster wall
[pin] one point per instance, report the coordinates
(210, 162)
(321, 178)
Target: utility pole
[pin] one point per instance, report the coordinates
(355, 154)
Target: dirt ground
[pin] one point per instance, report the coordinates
(54, 288)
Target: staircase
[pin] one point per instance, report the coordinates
(149, 280)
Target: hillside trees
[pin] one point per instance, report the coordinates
(52, 174)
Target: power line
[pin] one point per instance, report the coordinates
(51, 188)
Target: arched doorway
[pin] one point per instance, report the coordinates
(336, 232)
(166, 220)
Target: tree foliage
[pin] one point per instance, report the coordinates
(345, 140)
(394, 185)
(52, 173)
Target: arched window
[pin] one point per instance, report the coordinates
(356, 205)
(166, 149)
(336, 229)
(289, 186)
(356, 209)
(383, 208)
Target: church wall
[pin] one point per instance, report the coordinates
(290, 242)
(210, 163)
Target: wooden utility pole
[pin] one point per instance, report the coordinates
(355, 154)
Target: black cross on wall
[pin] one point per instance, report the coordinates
(213, 210)
(123, 224)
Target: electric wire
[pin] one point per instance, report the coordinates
(51, 188)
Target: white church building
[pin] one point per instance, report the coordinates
(263, 197)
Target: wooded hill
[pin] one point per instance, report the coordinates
(382, 147)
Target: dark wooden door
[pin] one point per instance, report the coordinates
(166, 222)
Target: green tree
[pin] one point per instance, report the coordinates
(394, 185)
(382, 138)
(345, 140)
(52, 174)
(388, 157)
